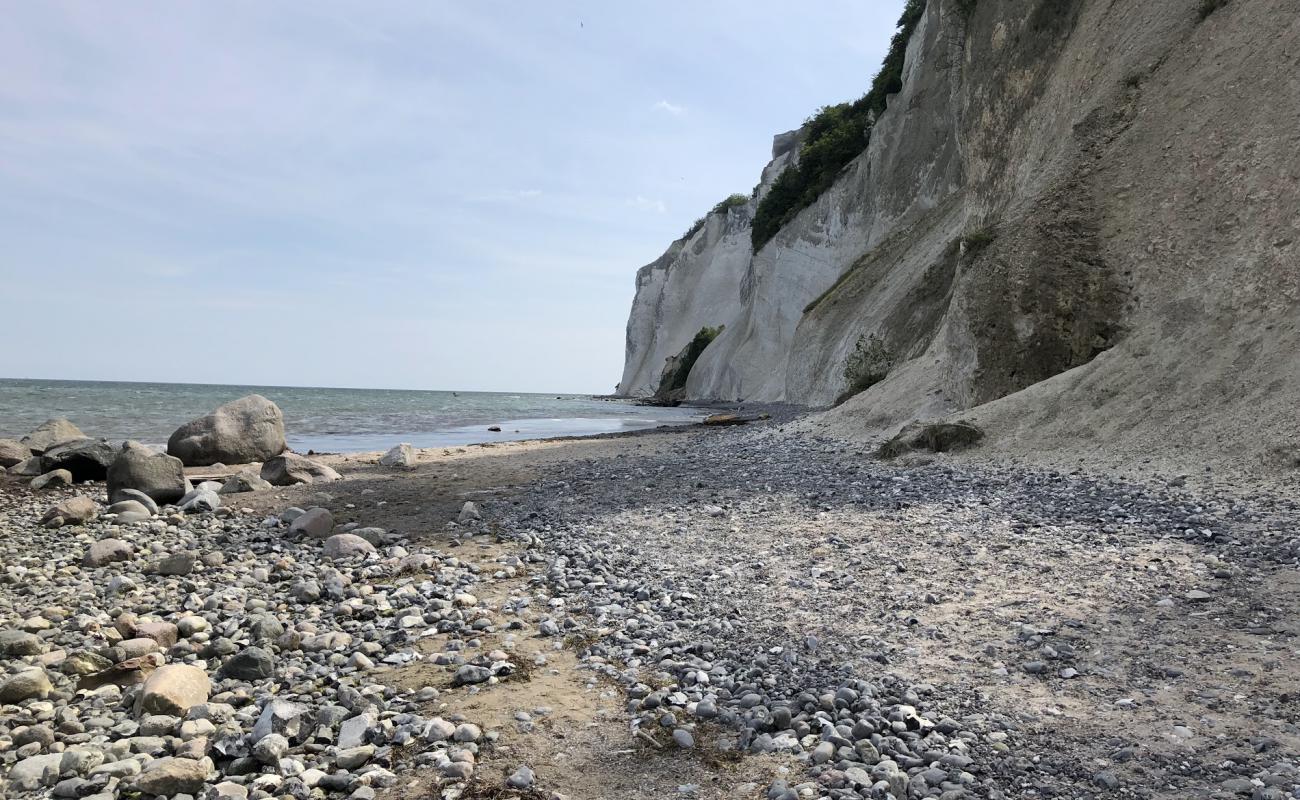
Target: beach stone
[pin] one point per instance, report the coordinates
(13, 452)
(521, 778)
(73, 511)
(24, 686)
(354, 757)
(244, 482)
(438, 730)
(288, 469)
(84, 662)
(281, 717)
(240, 432)
(140, 497)
(16, 644)
(158, 475)
(50, 433)
(107, 551)
(346, 545)
(199, 501)
(314, 523)
(27, 469)
(172, 776)
(36, 772)
(54, 479)
(401, 456)
(86, 459)
(373, 535)
(180, 564)
(469, 513)
(129, 511)
(165, 634)
(173, 689)
(250, 664)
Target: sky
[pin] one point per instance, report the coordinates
(424, 195)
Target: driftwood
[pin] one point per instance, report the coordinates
(734, 419)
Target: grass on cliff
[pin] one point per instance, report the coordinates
(835, 136)
(726, 204)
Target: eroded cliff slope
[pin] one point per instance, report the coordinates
(1076, 223)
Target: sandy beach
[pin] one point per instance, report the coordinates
(702, 612)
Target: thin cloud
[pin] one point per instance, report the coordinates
(675, 110)
(647, 204)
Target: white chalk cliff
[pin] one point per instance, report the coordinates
(1066, 197)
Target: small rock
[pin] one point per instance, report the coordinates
(315, 523)
(521, 778)
(54, 479)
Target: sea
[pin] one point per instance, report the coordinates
(328, 420)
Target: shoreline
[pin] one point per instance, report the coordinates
(782, 567)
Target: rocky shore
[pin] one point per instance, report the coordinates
(713, 612)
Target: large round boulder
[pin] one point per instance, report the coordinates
(50, 433)
(158, 475)
(241, 431)
(291, 468)
(87, 459)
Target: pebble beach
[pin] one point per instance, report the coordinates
(737, 612)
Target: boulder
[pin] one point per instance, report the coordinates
(936, 437)
(54, 479)
(173, 689)
(86, 459)
(314, 523)
(199, 501)
(167, 777)
(13, 452)
(50, 433)
(346, 545)
(73, 511)
(107, 551)
(290, 468)
(129, 511)
(158, 475)
(27, 469)
(401, 455)
(244, 482)
(140, 497)
(239, 432)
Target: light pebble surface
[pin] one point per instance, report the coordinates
(921, 630)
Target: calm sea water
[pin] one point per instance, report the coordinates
(326, 420)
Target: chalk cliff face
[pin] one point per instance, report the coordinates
(1078, 196)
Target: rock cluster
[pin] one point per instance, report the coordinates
(151, 651)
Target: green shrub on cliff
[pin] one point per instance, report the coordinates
(677, 379)
(835, 136)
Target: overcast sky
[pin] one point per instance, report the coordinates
(421, 195)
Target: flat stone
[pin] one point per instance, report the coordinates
(172, 776)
